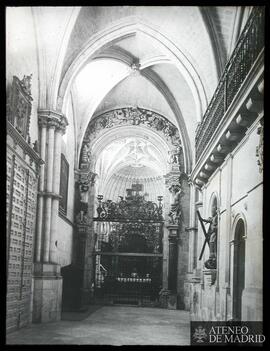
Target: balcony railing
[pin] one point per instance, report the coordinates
(248, 48)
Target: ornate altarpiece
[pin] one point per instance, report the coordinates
(23, 164)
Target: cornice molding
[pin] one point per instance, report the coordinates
(22, 142)
(52, 119)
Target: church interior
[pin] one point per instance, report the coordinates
(134, 169)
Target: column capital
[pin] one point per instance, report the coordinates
(52, 119)
(173, 232)
(172, 178)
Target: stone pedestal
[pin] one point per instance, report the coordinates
(172, 278)
(168, 299)
(209, 277)
(47, 297)
(172, 301)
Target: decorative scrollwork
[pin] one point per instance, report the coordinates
(175, 155)
(125, 117)
(134, 237)
(259, 148)
(19, 105)
(133, 207)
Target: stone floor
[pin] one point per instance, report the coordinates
(111, 325)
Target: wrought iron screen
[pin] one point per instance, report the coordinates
(134, 207)
(248, 48)
(129, 248)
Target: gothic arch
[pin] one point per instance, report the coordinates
(150, 75)
(121, 29)
(214, 197)
(104, 126)
(238, 265)
(237, 218)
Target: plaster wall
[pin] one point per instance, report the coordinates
(238, 186)
(65, 223)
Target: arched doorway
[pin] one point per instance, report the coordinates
(130, 150)
(238, 269)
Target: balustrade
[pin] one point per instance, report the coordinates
(247, 50)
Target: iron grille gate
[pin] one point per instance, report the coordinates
(117, 283)
(128, 255)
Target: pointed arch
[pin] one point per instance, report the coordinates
(121, 30)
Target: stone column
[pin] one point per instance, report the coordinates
(89, 268)
(47, 281)
(60, 129)
(85, 234)
(192, 231)
(165, 257)
(48, 201)
(165, 241)
(172, 278)
(43, 133)
(171, 230)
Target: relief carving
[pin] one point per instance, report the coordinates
(259, 148)
(86, 155)
(175, 157)
(133, 116)
(20, 104)
(85, 181)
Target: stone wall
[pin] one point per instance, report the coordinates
(237, 183)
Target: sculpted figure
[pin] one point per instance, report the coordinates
(212, 237)
(86, 154)
(175, 155)
(26, 82)
(175, 212)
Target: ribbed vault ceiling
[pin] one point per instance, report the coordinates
(86, 55)
(108, 80)
(129, 161)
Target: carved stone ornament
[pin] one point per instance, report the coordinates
(259, 148)
(26, 83)
(174, 155)
(86, 179)
(20, 104)
(52, 119)
(36, 146)
(85, 156)
(175, 213)
(189, 180)
(133, 116)
(136, 68)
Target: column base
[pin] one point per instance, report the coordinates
(47, 293)
(168, 299)
(87, 296)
